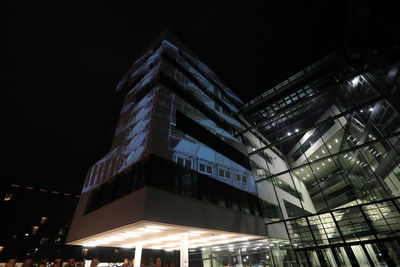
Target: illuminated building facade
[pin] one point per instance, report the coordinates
(325, 154)
(176, 177)
(305, 174)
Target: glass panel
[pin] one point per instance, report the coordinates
(342, 256)
(301, 256)
(360, 255)
(393, 251)
(375, 254)
(312, 255)
(328, 256)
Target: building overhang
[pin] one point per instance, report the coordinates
(155, 218)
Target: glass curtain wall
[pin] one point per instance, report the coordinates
(326, 159)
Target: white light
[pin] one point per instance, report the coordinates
(329, 160)
(130, 234)
(323, 151)
(317, 156)
(317, 168)
(150, 230)
(355, 81)
(89, 245)
(289, 134)
(337, 141)
(304, 178)
(323, 164)
(302, 169)
(361, 111)
(329, 146)
(127, 246)
(297, 173)
(296, 130)
(308, 175)
(345, 156)
(371, 109)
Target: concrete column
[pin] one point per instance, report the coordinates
(239, 258)
(184, 250)
(138, 255)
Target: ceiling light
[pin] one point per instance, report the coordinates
(150, 230)
(371, 109)
(329, 160)
(296, 130)
(323, 164)
(323, 151)
(355, 81)
(329, 146)
(337, 141)
(317, 168)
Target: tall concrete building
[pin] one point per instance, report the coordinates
(176, 177)
(305, 174)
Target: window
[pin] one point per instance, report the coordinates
(183, 161)
(241, 178)
(8, 197)
(224, 173)
(43, 220)
(35, 228)
(205, 168)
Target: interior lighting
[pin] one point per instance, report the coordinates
(289, 134)
(317, 168)
(150, 230)
(317, 156)
(371, 109)
(323, 164)
(296, 130)
(355, 81)
(329, 160)
(323, 151)
(329, 146)
(308, 175)
(337, 141)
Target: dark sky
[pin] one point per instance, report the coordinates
(63, 60)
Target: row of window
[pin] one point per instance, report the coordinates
(174, 178)
(207, 168)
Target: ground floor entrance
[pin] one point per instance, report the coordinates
(385, 252)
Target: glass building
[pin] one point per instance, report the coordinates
(306, 174)
(324, 148)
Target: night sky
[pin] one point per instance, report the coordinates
(63, 61)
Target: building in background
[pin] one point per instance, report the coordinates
(35, 222)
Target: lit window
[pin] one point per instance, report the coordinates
(35, 228)
(61, 231)
(43, 220)
(8, 197)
